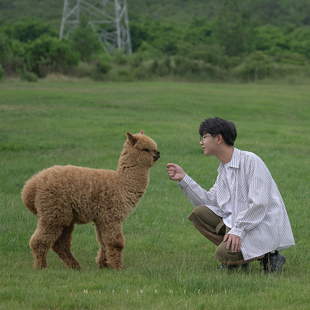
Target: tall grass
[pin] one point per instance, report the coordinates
(167, 264)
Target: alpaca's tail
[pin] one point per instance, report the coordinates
(28, 195)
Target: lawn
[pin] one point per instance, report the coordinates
(167, 263)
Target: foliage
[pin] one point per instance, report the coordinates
(179, 12)
(218, 48)
(46, 53)
(28, 76)
(234, 27)
(2, 73)
(12, 54)
(29, 30)
(84, 40)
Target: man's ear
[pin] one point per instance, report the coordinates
(131, 138)
(219, 139)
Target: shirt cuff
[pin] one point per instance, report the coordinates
(185, 182)
(237, 232)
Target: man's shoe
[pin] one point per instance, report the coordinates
(273, 262)
(234, 267)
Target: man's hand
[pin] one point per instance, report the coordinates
(175, 172)
(233, 242)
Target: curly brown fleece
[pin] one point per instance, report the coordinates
(62, 196)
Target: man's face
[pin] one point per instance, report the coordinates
(209, 144)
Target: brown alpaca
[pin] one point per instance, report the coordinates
(62, 196)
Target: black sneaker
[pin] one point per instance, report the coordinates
(273, 262)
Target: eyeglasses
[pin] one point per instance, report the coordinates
(206, 136)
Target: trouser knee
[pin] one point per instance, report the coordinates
(208, 220)
(224, 255)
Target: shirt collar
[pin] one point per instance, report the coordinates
(234, 163)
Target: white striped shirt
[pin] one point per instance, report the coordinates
(258, 214)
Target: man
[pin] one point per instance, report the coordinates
(243, 214)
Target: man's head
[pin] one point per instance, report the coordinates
(218, 126)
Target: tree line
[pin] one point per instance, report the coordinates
(230, 45)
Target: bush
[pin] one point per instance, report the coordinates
(29, 30)
(84, 40)
(293, 59)
(2, 72)
(83, 69)
(184, 66)
(141, 73)
(48, 53)
(12, 54)
(161, 67)
(28, 76)
(256, 65)
(100, 70)
(103, 67)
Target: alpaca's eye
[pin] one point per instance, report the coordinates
(146, 150)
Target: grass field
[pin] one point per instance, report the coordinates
(167, 264)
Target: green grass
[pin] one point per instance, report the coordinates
(167, 263)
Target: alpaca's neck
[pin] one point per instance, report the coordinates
(133, 175)
(134, 181)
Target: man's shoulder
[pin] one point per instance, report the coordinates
(249, 158)
(248, 155)
(252, 162)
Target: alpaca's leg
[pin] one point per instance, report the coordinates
(111, 236)
(40, 242)
(62, 247)
(101, 259)
(115, 242)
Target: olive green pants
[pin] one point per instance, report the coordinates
(208, 220)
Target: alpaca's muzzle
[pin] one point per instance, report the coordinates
(156, 155)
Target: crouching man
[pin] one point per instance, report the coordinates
(243, 214)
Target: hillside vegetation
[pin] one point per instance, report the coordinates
(187, 39)
(276, 12)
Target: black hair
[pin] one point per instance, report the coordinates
(218, 126)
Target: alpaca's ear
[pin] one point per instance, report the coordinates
(131, 138)
(141, 131)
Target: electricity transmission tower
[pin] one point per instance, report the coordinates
(108, 19)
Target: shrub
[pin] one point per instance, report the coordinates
(83, 69)
(103, 67)
(12, 54)
(84, 40)
(293, 59)
(2, 72)
(183, 66)
(161, 67)
(120, 58)
(48, 53)
(136, 60)
(141, 73)
(28, 76)
(100, 70)
(256, 65)
(29, 30)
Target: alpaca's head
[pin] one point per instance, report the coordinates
(140, 149)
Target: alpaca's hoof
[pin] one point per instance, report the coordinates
(74, 265)
(116, 267)
(111, 266)
(40, 265)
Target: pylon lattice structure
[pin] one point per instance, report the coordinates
(108, 19)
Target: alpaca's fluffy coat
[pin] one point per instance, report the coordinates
(62, 196)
